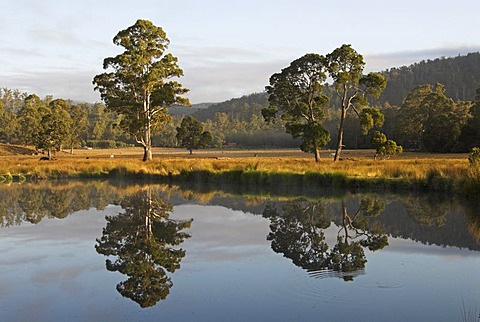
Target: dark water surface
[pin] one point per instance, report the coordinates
(103, 251)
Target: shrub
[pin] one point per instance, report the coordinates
(474, 157)
(107, 144)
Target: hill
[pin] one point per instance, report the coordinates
(9, 149)
(240, 109)
(184, 110)
(460, 75)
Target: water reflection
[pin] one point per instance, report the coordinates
(325, 234)
(297, 231)
(143, 240)
(33, 203)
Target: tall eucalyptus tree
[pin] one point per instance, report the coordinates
(143, 82)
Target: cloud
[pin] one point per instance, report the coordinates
(213, 74)
(216, 74)
(62, 83)
(19, 52)
(382, 61)
(225, 80)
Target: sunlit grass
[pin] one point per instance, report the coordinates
(434, 173)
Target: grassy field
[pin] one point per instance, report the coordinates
(443, 172)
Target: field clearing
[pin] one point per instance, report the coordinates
(166, 162)
(352, 155)
(449, 173)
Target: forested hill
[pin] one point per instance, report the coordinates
(240, 109)
(460, 75)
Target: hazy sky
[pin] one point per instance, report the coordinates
(227, 48)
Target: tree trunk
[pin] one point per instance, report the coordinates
(147, 153)
(340, 135)
(147, 146)
(148, 218)
(191, 151)
(317, 154)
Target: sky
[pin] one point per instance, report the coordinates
(226, 48)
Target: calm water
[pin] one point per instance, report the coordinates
(117, 252)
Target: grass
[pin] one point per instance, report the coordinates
(448, 173)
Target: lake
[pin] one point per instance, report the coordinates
(113, 251)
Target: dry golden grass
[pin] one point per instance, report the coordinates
(357, 164)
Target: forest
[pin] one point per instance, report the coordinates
(431, 106)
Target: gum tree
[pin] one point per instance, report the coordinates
(191, 135)
(345, 67)
(141, 83)
(296, 95)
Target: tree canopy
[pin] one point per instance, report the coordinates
(296, 93)
(143, 82)
(191, 135)
(345, 67)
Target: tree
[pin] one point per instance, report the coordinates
(191, 135)
(411, 118)
(432, 121)
(11, 102)
(98, 121)
(141, 85)
(298, 233)
(56, 125)
(78, 114)
(345, 67)
(30, 120)
(385, 148)
(8, 123)
(296, 94)
(143, 240)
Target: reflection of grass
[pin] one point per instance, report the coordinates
(429, 173)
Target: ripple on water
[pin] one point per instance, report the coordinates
(331, 286)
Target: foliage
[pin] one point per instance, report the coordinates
(56, 125)
(296, 93)
(345, 67)
(141, 86)
(370, 118)
(143, 240)
(191, 135)
(385, 148)
(460, 75)
(76, 134)
(298, 233)
(474, 156)
(430, 120)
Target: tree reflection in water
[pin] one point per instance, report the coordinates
(143, 239)
(297, 231)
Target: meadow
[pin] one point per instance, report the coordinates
(411, 170)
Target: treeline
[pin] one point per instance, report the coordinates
(427, 120)
(460, 76)
(237, 123)
(52, 124)
(429, 106)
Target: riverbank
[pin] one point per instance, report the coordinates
(444, 173)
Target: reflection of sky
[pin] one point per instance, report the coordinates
(51, 271)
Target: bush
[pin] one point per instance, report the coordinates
(474, 157)
(108, 144)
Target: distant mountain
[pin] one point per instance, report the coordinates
(184, 110)
(460, 75)
(240, 109)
